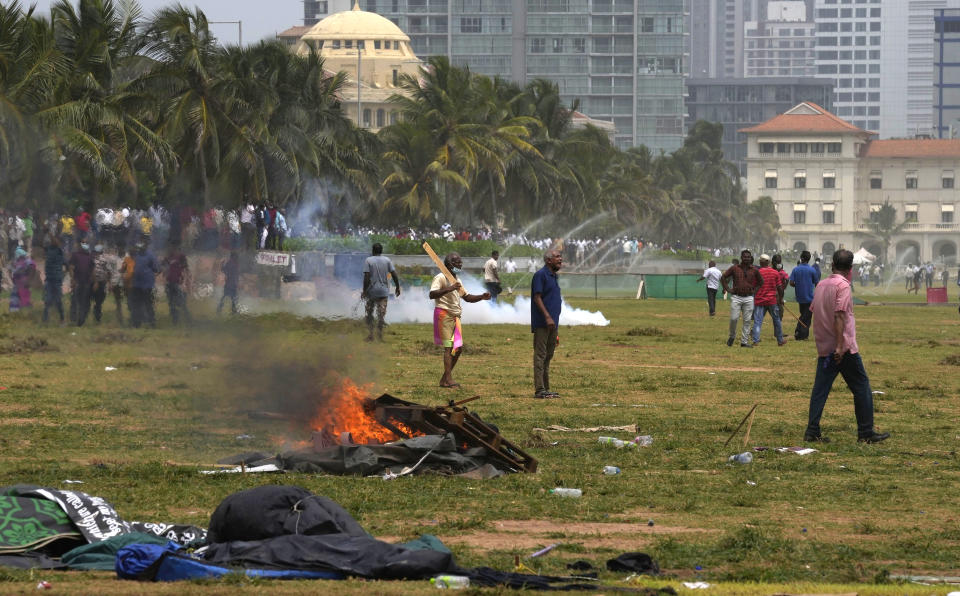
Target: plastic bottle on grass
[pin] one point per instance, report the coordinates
(574, 493)
(618, 443)
(643, 441)
(611, 470)
(741, 458)
(451, 582)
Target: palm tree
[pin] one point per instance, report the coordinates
(882, 224)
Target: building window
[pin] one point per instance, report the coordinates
(766, 147)
(817, 147)
(646, 25)
(770, 179)
(376, 44)
(336, 44)
(396, 77)
(579, 45)
(799, 147)
(834, 147)
(366, 117)
(911, 180)
(874, 210)
(538, 45)
(470, 25)
(348, 44)
(800, 179)
(876, 181)
(910, 213)
(828, 213)
(396, 45)
(829, 180)
(393, 116)
(381, 118)
(783, 147)
(557, 45)
(799, 213)
(946, 214)
(946, 179)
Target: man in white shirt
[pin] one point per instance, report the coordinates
(491, 276)
(712, 275)
(511, 266)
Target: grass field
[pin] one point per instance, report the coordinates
(841, 520)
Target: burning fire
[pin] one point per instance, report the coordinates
(347, 407)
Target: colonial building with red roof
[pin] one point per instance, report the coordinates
(826, 176)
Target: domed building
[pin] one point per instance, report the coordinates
(367, 47)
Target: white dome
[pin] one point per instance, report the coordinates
(355, 24)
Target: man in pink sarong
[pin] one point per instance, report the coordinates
(446, 316)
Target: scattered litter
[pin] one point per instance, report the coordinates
(797, 450)
(555, 443)
(611, 470)
(878, 393)
(109, 368)
(643, 440)
(74, 333)
(3, 388)
(245, 470)
(751, 483)
(712, 373)
(618, 443)
(696, 585)
(45, 585)
(628, 428)
(603, 405)
(574, 493)
(388, 475)
(543, 551)
(650, 522)
(244, 437)
(73, 481)
(928, 579)
(804, 531)
(741, 458)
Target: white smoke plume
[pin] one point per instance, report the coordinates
(336, 301)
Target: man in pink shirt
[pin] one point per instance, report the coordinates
(835, 332)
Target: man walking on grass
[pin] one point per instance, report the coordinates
(544, 317)
(804, 279)
(712, 275)
(446, 316)
(741, 282)
(835, 333)
(376, 269)
(765, 301)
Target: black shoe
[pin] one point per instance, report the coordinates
(874, 437)
(745, 346)
(729, 341)
(816, 439)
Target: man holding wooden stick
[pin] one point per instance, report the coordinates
(446, 291)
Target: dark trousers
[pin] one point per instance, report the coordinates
(494, 288)
(80, 303)
(53, 296)
(803, 325)
(712, 300)
(230, 293)
(142, 307)
(851, 368)
(544, 345)
(177, 301)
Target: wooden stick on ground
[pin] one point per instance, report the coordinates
(746, 435)
(739, 426)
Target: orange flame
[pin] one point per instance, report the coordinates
(348, 408)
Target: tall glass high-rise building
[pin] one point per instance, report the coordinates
(625, 60)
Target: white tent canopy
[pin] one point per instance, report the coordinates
(863, 256)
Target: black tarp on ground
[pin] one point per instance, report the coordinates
(287, 527)
(441, 454)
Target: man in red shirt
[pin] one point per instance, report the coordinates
(741, 281)
(766, 300)
(83, 224)
(177, 278)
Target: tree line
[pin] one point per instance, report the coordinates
(101, 105)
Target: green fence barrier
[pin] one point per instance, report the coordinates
(626, 285)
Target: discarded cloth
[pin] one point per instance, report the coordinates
(102, 556)
(97, 520)
(28, 524)
(634, 563)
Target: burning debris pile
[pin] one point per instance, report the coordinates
(354, 434)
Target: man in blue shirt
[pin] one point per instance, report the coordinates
(145, 272)
(804, 278)
(544, 315)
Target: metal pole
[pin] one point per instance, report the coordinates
(595, 295)
(240, 32)
(359, 113)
